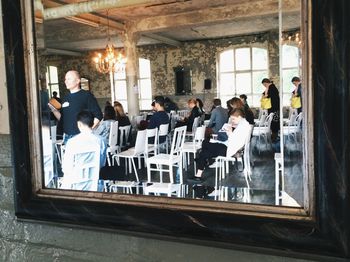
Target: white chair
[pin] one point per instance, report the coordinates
(123, 137)
(131, 153)
(151, 148)
(190, 135)
(165, 188)
(183, 113)
(222, 163)
(169, 160)
(193, 146)
(294, 127)
(112, 142)
(83, 168)
(163, 131)
(263, 113)
(263, 130)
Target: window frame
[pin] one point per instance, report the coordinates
(235, 71)
(266, 227)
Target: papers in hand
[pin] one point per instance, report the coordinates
(225, 127)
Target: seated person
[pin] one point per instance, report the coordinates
(105, 125)
(237, 103)
(85, 121)
(160, 117)
(123, 120)
(236, 140)
(192, 104)
(218, 116)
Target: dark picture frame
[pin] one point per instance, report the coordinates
(326, 232)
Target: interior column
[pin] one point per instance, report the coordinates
(130, 39)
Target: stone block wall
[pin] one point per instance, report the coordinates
(199, 56)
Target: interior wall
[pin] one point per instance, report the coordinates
(199, 56)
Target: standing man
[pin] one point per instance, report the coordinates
(76, 101)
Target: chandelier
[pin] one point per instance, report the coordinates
(112, 61)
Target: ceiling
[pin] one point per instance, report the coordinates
(77, 25)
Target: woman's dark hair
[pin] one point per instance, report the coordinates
(295, 79)
(109, 113)
(243, 96)
(236, 103)
(266, 80)
(237, 112)
(200, 103)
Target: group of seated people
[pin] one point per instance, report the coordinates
(238, 116)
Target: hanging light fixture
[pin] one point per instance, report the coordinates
(111, 61)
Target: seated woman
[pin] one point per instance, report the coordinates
(235, 142)
(192, 104)
(105, 125)
(123, 120)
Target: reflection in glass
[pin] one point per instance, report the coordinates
(235, 65)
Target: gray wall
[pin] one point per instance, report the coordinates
(28, 241)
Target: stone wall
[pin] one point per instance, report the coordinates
(199, 56)
(39, 241)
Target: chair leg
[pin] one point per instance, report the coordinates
(148, 172)
(171, 174)
(136, 174)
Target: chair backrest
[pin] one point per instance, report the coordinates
(138, 119)
(292, 117)
(268, 120)
(140, 144)
(124, 135)
(298, 120)
(246, 154)
(178, 141)
(152, 133)
(195, 124)
(163, 130)
(86, 167)
(113, 136)
(262, 117)
(199, 135)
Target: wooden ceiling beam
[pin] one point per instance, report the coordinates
(214, 15)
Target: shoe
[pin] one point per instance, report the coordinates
(195, 179)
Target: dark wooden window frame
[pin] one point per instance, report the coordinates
(321, 228)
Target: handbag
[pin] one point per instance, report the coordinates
(265, 103)
(296, 102)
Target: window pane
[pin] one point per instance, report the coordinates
(286, 99)
(257, 78)
(145, 89)
(124, 104)
(145, 68)
(226, 84)
(120, 90)
(224, 99)
(53, 74)
(226, 61)
(243, 59)
(55, 88)
(259, 58)
(290, 56)
(120, 75)
(288, 74)
(146, 104)
(256, 100)
(243, 83)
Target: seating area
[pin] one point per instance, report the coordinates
(165, 169)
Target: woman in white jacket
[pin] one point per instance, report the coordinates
(236, 140)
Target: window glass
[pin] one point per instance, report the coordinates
(259, 58)
(145, 84)
(243, 59)
(226, 61)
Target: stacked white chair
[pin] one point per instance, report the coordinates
(190, 135)
(112, 141)
(193, 146)
(165, 163)
(263, 130)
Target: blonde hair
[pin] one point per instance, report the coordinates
(119, 110)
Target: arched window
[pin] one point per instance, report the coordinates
(241, 71)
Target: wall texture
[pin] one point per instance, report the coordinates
(37, 241)
(199, 56)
